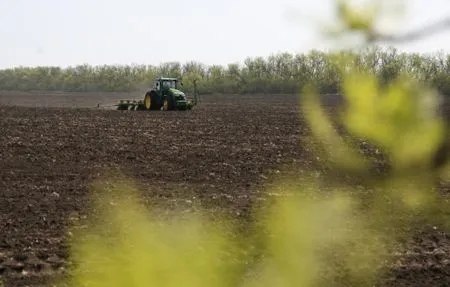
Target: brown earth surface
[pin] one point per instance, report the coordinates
(221, 156)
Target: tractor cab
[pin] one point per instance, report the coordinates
(161, 84)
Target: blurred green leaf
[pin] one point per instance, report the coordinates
(401, 118)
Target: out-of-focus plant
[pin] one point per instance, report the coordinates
(315, 235)
(127, 246)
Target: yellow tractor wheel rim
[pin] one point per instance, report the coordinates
(166, 104)
(148, 102)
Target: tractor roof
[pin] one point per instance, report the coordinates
(167, 79)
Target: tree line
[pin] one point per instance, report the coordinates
(278, 73)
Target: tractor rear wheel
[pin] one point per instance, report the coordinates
(151, 101)
(148, 101)
(156, 101)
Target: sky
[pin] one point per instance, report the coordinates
(96, 32)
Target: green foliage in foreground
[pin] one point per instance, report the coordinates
(279, 73)
(307, 237)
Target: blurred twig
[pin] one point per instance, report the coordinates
(363, 20)
(426, 31)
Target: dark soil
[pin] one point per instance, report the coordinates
(220, 155)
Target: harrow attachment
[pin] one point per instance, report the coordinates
(133, 105)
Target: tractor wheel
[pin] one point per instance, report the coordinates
(148, 101)
(156, 102)
(169, 103)
(151, 101)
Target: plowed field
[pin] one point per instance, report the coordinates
(220, 155)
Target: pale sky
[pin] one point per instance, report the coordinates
(71, 32)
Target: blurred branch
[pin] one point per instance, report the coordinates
(363, 20)
(426, 31)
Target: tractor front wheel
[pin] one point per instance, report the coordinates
(168, 103)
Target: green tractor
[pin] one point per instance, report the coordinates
(164, 95)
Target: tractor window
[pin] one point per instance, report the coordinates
(169, 84)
